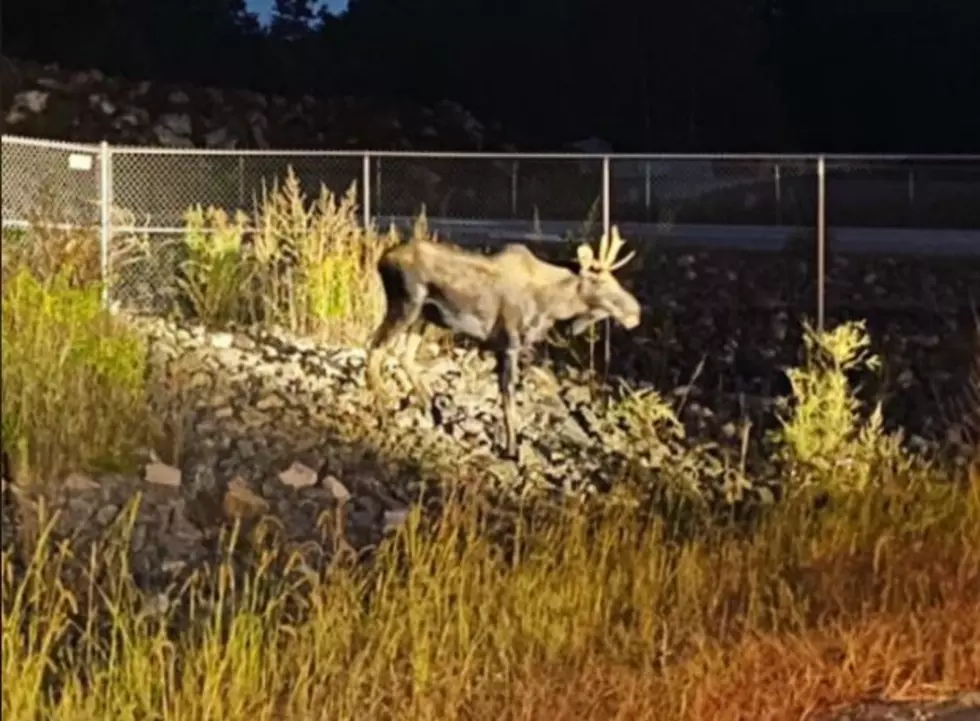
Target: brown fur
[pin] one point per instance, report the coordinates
(507, 301)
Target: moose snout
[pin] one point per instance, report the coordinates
(630, 317)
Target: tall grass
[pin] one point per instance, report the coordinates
(73, 381)
(307, 266)
(592, 615)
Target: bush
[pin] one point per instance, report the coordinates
(216, 271)
(826, 443)
(307, 267)
(73, 378)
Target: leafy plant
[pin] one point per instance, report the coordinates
(216, 268)
(825, 438)
(305, 266)
(73, 379)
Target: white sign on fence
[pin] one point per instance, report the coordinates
(80, 161)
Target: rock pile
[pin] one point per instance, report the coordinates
(273, 426)
(278, 428)
(47, 101)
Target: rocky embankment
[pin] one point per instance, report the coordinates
(47, 101)
(960, 707)
(275, 427)
(269, 425)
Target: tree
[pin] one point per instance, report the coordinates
(292, 19)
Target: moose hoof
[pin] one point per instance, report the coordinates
(509, 449)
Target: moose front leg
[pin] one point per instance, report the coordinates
(507, 370)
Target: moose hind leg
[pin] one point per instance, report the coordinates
(413, 340)
(507, 369)
(396, 322)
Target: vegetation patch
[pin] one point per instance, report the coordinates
(636, 601)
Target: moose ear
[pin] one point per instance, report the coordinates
(586, 258)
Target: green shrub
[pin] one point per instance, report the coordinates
(73, 378)
(305, 266)
(825, 440)
(216, 269)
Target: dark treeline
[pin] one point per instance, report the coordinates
(709, 75)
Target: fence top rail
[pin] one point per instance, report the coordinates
(54, 144)
(531, 156)
(515, 156)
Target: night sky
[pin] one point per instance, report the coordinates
(264, 7)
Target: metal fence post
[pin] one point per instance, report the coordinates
(377, 193)
(366, 180)
(514, 170)
(777, 179)
(821, 240)
(105, 216)
(241, 181)
(606, 222)
(647, 188)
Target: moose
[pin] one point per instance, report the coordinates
(507, 302)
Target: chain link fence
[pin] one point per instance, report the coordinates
(160, 186)
(60, 180)
(721, 208)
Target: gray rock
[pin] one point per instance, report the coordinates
(394, 520)
(80, 482)
(33, 101)
(177, 123)
(167, 137)
(336, 488)
(298, 475)
(220, 138)
(174, 129)
(222, 340)
(163, 475)
(106, 515)
(258, 124)
(240, 501)
(272, 401)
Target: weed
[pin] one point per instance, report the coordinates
(73, 385)
(215, 270)
(442, 625)
(827, 443)
(304, 266)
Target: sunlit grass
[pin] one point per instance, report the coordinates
(878, 593)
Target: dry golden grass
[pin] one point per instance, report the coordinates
(596, 616)
(595, 611)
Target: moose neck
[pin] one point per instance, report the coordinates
(562, 300)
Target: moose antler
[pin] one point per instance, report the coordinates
(609, 247)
